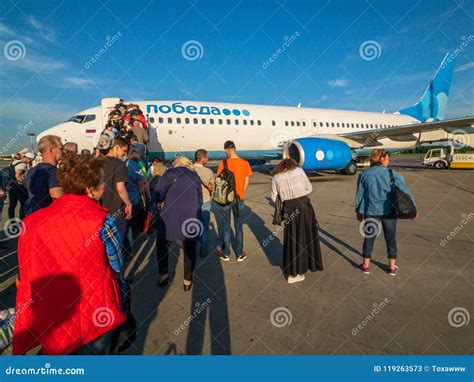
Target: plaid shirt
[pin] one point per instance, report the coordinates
(112, 239)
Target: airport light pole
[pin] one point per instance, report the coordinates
(31, 135)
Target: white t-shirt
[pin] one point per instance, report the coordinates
(291, 185)
(20, 166)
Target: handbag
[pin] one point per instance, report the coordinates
(403, 206)
(278, 213)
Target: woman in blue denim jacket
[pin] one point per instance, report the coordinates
(374, 208)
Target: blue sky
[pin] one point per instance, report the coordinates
(50, 75)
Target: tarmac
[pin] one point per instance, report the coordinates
(248, 307)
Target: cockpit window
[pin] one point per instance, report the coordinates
(77, 118)
(82, 118)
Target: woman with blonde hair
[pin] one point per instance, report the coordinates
(179, 198)
(374, 207)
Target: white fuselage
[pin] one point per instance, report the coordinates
(184, 126)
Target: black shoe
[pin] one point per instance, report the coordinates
(187, 288)
(164, 283)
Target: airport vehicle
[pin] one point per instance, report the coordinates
(442, 158)
(318, 139)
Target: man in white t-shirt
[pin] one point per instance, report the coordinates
(17, 192)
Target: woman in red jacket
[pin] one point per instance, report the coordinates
(68, 284)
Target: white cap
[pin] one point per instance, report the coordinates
(30, 154)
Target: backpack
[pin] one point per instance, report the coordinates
(9, 175)
(402, 203)
(224, 187)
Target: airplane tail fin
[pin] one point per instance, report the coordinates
(432, 105)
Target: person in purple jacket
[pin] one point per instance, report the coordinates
(179, 197)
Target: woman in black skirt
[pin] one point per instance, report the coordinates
(301, 249)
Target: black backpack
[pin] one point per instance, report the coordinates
(402, 203)
(9, 175)
(224, 187)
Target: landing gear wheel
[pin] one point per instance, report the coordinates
(439, 165)
(350, 169)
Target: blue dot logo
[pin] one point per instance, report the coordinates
(330, 155)
(246, 112)
(226, 111)
(236, 112)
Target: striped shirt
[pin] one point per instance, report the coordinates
(291, 185)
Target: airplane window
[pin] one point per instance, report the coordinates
(170, 120)
(245, 122)
(152, 119)
(303, 123)
(195, 120)
(220, 121)
(203, 121)
(76, 118)
(371, 126)
(337, 124)
(297, 123)
(259, 122)
(160, 120)
(228, 121)
(342, 124)
(211, 121)
(292, 123)
(89, 118)
(273, 123)
(178, 120)
(236, 121)
(327, 124)
(286, 123)
(251, 122)
(186, 121)
(352, 125)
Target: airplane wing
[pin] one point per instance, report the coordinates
(365, 138)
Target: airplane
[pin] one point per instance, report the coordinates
(318, 139)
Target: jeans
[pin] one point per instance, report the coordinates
(205, 220)
(162, 256)
(371, 230)
(236, 208)
(17, 194)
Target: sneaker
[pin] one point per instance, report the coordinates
(296, 279)
(220, 254)
(363, 269)
(393, 271)
(242, 257)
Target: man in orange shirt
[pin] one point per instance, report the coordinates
(242, 171)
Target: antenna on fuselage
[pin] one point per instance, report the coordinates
(299, 104)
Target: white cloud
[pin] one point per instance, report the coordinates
(10, 34)
(43, 31)
(464, 67)
(338, 83)
(79, 82)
